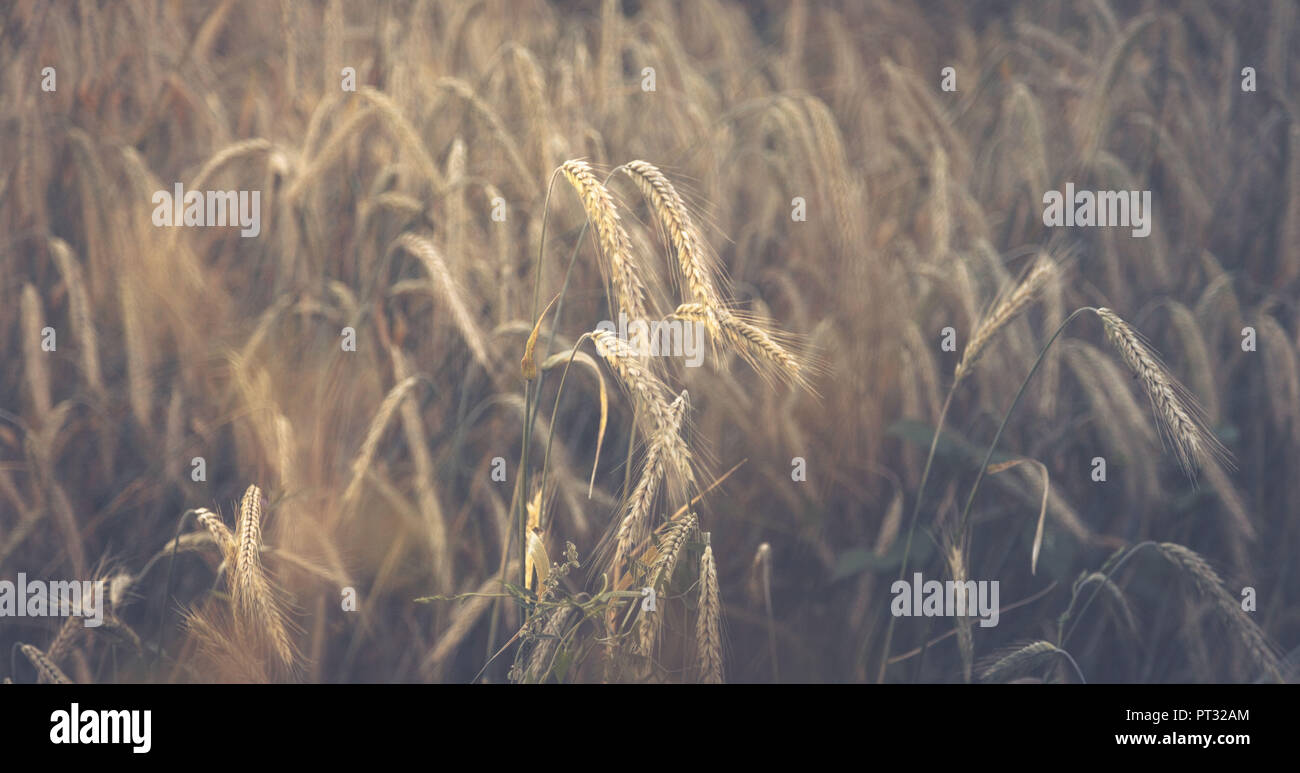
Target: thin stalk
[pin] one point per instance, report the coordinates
(911, 529)
(1061, 634)
(546, 458)
(979, 477)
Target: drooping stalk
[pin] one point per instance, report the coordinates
(911, 529)
(979, 477)
(965, 516)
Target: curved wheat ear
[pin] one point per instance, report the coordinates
(708, 625)
(754, 344)
(424, 249)
(615, 246)
(45, 668)
(697, 268)
(228, 155)
(1226, 607)
(661, 574)
(1006, 310)
(649, 393)
(635, 525)
(220, 533)
(1019, 660)
(1180, 419)
(256, 606)
(368, 447)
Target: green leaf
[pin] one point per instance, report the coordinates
(857, 560)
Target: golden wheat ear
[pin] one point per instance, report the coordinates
(1181, 421)
(708, 623)
(615, 246)
(256, 605)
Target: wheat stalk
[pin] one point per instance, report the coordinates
(752, 342)
(79, 306)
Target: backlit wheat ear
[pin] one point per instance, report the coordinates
(254, 603)
(649, 393)
(615, 246)
(635, 525)
(754, 344)
(1180, 419)
(696, 267)
(1006, 310)
(708, 624)
(220, 533)
(1227, 608)
(661, 575)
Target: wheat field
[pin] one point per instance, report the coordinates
(649, 341)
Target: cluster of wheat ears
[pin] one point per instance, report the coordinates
(388, 439)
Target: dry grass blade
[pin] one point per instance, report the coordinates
(582, 357)
(528, 365)
(1042, 511)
